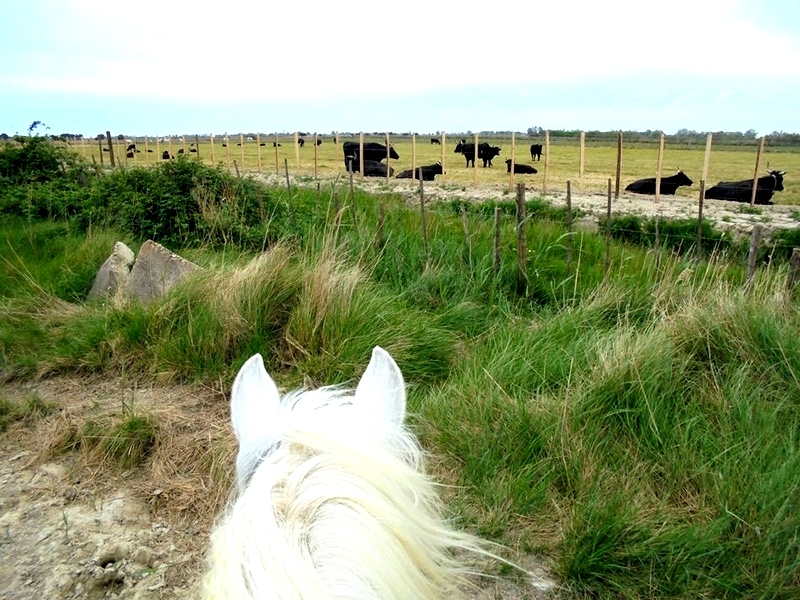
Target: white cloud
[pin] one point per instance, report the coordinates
(265, 51)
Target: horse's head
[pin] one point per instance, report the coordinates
(258, 413)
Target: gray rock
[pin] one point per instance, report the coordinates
(156, 271)
(114, 272)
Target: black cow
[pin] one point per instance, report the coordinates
(131, 148)
(669, 185)
(742, 191)
(301, 142)
(436, 141)
(373, 168)
(426, 173)
(192, 149)
(165, 155)
(180, 151)
(149, 150)
(129, 154)
(372, 151)
(522, 169)
(485, 152)
(275, 144)
(536, 151)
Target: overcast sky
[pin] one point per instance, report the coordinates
(156, 67)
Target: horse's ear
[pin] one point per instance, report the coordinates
(254, 401)
(382, 390)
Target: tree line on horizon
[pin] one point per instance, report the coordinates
(683, 135)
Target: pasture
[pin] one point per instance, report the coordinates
(639, 159)
(632, 432)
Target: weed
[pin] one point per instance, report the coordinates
(31, 409)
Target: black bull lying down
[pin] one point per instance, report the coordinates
(373, 168)
(742, 191)
(426, 173)
(372, 151)
(668, 184)
(485, 152)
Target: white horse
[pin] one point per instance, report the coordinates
(333, 502)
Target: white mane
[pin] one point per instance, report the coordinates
(333, 502)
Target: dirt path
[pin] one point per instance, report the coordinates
(72, 527)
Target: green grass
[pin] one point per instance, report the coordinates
(638, 428)
(28, 411)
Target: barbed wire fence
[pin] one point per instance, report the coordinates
(204, 148)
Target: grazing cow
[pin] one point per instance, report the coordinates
(536, 151)
(742, 191)
(165, 155)
(373, 168)
(224, 145)
(372, 151)
(319, 141)
(485, 152)
(669, 185)
(436, 141)
(149, 150)
(275, 144)
(264, 144)
(131, 148)
(426, 173)
(129, 154)
(522, 169)
(192, 149)
(180, 151)
(301, 142)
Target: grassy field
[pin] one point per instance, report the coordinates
(636, 430)
(727, 163)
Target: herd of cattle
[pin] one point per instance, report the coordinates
(738, 191)
(375, 153)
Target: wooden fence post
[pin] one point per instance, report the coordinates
(522, 251)
(659, 166)
(110, 148)
(444, 142)
(619, 165)
(581, 161)
(569, 225)
(475, 163)
(752, 256)
(546, 161)
(699, 250)
(608, 230)
(413, 158)
(388, 158)
(758, 168)
(513, 162)
(361, 154)
(706, 158)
